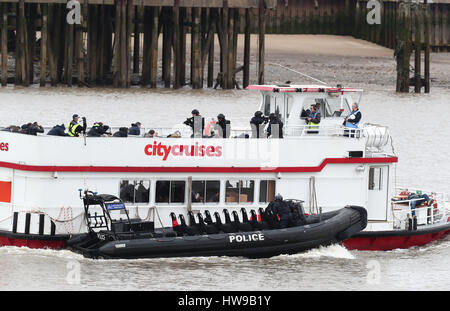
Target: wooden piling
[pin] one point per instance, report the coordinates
(167, 45)
(154, 46)
(210, 52)
(417, 53)
(4, 43)
(182, 64)
(427, 50)
(136, 42)
(261, 47)
(176, 45)
(197, 83)
(224, 47)
(246, 81)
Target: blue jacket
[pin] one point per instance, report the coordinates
(57, 130)
(134, 130)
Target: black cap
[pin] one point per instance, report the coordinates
(220, 116)
(258, 113)
(195, 112)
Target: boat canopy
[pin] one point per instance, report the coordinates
(302, 88)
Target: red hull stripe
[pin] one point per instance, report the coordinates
(386, 243)
(54, 244)
(185, 169)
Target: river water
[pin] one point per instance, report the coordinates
(420, 128)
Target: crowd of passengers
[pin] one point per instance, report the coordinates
(262, 126)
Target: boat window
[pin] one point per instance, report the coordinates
(170, 191)
(375, 177)
(135, 191)
(205, 191)
(240, 191)
(266, 191)
(333, 107)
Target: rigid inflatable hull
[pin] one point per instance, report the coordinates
(335, 227)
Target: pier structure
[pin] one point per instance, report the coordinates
(115, 42)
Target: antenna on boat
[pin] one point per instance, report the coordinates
(300, 73)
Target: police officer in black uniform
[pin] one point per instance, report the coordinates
(257, 124)
(197, 123)
(222, 126)
(275, 128)
(281, 209)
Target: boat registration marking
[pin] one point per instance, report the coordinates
(246, 237)
(120, 245)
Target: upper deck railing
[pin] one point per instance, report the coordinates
(241, 132)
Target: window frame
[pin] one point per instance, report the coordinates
(170, 192)
(239, 191)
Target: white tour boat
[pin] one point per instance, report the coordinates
(327, 166)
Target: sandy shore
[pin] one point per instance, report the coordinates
(337, 59)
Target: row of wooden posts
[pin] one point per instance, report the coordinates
(348, 17)
(105, 47)
(413, 37)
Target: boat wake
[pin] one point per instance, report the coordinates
(332, 251)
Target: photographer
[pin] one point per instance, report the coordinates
(197, 123)
(98, 130)
(257, 124)
(74, 129)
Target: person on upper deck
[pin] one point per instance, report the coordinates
(12, 129)
(151, 133)
(197, 123)
(122, 132)
(314, 116)
(222, 126)
(275, 127)
(135, 129)
(32, 128)
(58, 130)
(74, 129)
(257, 124)
(98, 130)
(353, 118)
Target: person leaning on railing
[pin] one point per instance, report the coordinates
(352, 120)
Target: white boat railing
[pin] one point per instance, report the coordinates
(437, 212)
(318, 130)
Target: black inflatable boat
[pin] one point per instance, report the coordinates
(109, 238)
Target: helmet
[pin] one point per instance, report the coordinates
(220, 116)
(278, 197)
(195, 112)
(258, 113)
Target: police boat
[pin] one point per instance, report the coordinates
(119, 236)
